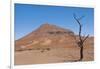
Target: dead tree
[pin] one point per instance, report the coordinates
(81, 39)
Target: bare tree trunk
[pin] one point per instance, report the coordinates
(81, 53)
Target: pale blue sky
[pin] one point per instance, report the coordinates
(29, 17)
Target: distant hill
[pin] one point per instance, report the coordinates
(47, 36)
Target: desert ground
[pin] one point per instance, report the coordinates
(51, 44)
(54, 55)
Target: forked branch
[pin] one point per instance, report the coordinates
(85, 38)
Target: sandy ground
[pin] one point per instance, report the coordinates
(51, 44)
(54, 55)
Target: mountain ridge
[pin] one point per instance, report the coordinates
(47, 35)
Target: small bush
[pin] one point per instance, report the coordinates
(42, 51)
(48, 49)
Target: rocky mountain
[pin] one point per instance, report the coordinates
(51, 44)
(46, 36)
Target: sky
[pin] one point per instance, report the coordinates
(28, 17)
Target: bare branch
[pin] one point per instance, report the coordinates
(85, 38)
(74, 15)
(81, 17)
(80, 27)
